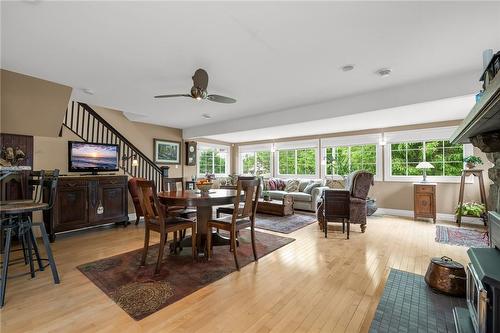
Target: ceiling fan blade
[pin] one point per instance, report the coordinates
(221, 99)
(173, 95)
(200, 79)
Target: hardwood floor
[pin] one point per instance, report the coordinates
(313, 284)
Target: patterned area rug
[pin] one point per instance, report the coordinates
(140, 293)
(284, 224)
(461, 236)
(409, 305)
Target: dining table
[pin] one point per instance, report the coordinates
(204, 202)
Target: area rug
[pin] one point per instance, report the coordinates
(461, 236)
(140, 293)
(284, 224)
(409, 305)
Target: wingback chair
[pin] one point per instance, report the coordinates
(358, 184)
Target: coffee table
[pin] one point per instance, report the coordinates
(276, 207)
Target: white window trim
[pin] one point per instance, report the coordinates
(240, 159)
(204, 146)
(378, 176)
(420, 135)
(282, 147)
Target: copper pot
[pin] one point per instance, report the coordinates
(446, 276)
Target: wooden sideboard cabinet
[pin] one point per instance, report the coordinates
(424, 199)
(87, 201)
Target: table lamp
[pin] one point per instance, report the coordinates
(424, 166)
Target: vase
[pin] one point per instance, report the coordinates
(470, 165)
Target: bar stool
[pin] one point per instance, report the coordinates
(18, 221)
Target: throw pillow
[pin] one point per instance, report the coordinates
(273, 186)
(292, 185)
(303, 184)
(335, 183)
(311, 186)
(281, 184)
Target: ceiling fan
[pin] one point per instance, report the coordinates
(199, 90)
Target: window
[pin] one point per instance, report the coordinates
(297, 161)
(343, 160)
(446, 158)
(256, 163)
(213, 160)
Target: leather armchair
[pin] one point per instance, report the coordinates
(358, 184)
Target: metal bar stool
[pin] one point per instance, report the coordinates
(18, 222)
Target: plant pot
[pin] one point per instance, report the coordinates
(267, 198)
(470, 165)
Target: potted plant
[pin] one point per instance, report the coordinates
(266, 196)
(472, 161)
(473, 209)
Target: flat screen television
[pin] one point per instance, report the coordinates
(92, 157)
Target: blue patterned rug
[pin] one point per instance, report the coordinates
(409, 305)
(461, 236)
(284, 224)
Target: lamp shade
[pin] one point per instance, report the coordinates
(425, 165)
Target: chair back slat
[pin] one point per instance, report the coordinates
(170, 184)
(336, 204)
(251, 190)
(150, 204)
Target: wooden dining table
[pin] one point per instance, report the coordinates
(204, 203)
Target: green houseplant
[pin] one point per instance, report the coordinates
(473, 209)
(472, 161)
(266, 196)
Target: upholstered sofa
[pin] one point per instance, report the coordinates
(306, 193)
(304, 198)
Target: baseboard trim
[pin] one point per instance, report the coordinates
(440, 216)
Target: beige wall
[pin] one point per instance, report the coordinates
(399, 195)
(52, 153)
(31, 106)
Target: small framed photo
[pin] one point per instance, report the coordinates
(167, 152)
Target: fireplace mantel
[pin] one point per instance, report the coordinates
(483, 121)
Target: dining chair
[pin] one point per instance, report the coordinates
(174, 185)
(155, 219)
(229, 209)
(243, 216)
(336, 209)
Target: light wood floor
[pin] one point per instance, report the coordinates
(313, 284)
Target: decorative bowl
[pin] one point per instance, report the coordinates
(204, 187)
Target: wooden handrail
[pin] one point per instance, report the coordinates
(89, 126)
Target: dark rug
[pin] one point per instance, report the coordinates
(140, 293)
(461, 236)
(409, 305)
(284, 224)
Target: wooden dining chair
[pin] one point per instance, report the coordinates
(243, 217)
(228, 210)
(174, 185)
(155, 219)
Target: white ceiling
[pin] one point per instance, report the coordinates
(269, 56)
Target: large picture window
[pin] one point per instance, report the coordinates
(447, 158)
(343, 160)
(297, 161)
(213, 160)
(256, 163)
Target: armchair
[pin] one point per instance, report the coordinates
(358, 185)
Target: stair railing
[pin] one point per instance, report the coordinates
(89, 126)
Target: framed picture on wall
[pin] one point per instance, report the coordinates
(167, 152)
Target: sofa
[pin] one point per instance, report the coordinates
(304, 198)
(306, 193)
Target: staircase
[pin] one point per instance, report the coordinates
(89, 126)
